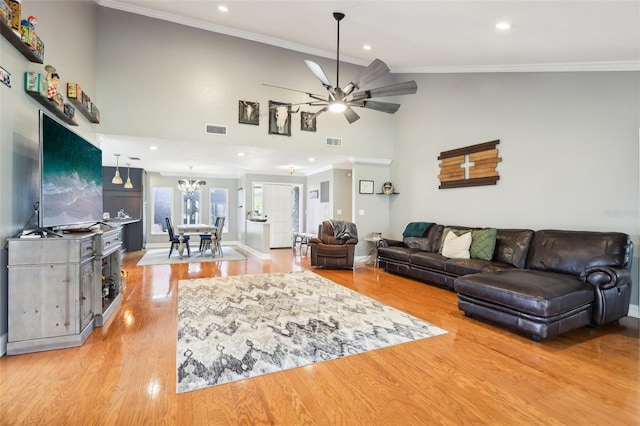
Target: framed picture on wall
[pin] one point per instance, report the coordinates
(366, 187)
(279, 118)
(249, 112)
(307, 123)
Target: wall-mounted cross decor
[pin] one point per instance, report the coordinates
(473, 165)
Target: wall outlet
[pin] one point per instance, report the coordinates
(361, 212)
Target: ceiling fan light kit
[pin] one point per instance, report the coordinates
(343, 100)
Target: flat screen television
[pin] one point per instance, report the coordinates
(71, 177)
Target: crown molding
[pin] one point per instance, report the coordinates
(549, 67)
(207, 26)
(555, 67)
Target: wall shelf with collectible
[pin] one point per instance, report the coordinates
(45, 91)
(21, 34)
(82, 102)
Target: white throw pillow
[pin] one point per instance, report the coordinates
(456, 247)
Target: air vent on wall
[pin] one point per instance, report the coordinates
(337, 142)
(216, 129)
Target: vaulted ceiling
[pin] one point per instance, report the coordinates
(422, 36)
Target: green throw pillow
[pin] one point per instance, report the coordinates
(483, 243)
(416, 229)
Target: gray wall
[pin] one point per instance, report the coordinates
(175, 79)
(568, 142)
(158, 180)
(72, 49)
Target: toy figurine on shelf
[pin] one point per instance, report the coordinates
(30, 22)
(53, 79)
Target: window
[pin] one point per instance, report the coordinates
(219, 206)
(161, 209)
(191, 208)
(257, 200)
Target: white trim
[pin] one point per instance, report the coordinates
(254, 252)
(371, 160)
(634, 311)
(207, 26)
(559, 67)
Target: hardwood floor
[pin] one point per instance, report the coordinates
(478, 373)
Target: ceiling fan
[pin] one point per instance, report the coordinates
(343, 99)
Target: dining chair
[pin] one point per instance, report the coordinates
(205, 242)
(218, 237)
(175, 239)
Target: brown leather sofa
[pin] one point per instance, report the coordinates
(329, 251)
(541, 283)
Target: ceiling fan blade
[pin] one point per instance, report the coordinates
(374, 71)
(317, 113)
(320, 74)
(351, 115)
(406, 88)
(387, 107)
(314, 96)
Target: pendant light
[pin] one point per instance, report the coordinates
(116, 178)
(128, 184)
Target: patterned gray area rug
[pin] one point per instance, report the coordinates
(161, 256)
(237, 327)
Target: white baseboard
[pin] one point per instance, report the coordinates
(634, 310)
(253, 252)
(164, 245)
(249, 250)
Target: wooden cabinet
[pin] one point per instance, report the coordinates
(51, 281)
(107, 291)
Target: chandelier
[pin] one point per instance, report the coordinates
(190, 185)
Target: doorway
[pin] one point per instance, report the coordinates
(281, 205)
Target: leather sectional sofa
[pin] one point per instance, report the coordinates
(541, 283)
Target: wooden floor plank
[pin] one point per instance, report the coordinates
(477, 373)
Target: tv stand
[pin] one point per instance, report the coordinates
(50, 287)
(61, 287)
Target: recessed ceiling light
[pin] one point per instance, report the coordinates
(311, 159)
(503, 26)
(223, 8)
(241, 154)
(153, 147)
(367, 47)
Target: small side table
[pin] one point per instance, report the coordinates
(375, 243)
(302, 239)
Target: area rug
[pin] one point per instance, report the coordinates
(234, 328)
(160, 256)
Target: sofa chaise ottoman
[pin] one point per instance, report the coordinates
(541, 283)
(571, 279)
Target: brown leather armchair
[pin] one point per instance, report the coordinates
(331, 252)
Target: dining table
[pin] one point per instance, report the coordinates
(193, 228)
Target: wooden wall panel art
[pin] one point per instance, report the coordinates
(473, 165)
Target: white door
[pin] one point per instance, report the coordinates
(278, 207)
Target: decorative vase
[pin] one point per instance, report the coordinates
(387, 188)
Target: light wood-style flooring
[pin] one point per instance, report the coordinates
(478, 373)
